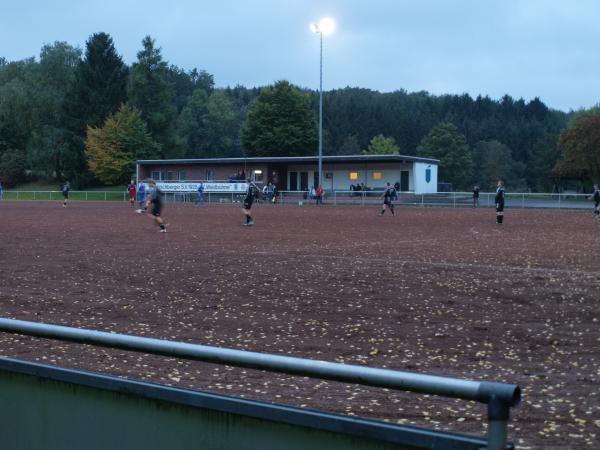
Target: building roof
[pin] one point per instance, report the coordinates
(290, 159)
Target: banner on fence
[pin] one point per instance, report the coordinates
(235, 188)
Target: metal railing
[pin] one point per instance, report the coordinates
(357, 198)
(499, 397)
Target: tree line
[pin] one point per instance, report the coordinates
(86, 116)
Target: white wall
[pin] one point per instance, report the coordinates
(421, 185)
(341, 181)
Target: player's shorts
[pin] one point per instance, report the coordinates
(387, 202)
(156, 210)
(65, 195)
(248, 203)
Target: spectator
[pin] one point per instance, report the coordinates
(319, 194)
(312, 193)
(1, 191)
(397, 186)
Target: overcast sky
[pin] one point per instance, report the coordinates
(525, 48)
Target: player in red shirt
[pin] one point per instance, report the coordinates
(131, 190)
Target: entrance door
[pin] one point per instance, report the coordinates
(293, 181)
(304, 181)
(404, 180)
(316, 178)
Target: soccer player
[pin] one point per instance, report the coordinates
(131, 192)
(65, 192)
(155, 199)
(248, 200)
(141, 196)
(200, 197)
(596, 197)
(475, 196)
(388, 195)
(500, 202)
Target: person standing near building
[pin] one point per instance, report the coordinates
(65, 192)
(475, 196)
(141, 196)
(248, 201)
(319, 192)
(596, 198)
(388, 195)
(200, 196)
(1, 191)
(131, 192)
(500, 202)
(155, 199)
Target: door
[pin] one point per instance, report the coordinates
(293, 181)
(304, 181)
(404, 180)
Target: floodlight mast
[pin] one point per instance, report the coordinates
(324, 27)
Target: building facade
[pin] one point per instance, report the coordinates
(413, 174)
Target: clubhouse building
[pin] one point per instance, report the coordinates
(414, 174)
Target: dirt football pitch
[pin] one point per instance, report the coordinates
(433, 290)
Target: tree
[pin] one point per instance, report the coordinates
(381, 145)
(350, 146)
(208, 125)
(280, 123)
(493, 161)
(580, 144)
(48, 140)
(446, 143)
(98, 89)
(12, 167)
(113, 149)
(151, 92)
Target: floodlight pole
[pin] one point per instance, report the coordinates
(321, 111)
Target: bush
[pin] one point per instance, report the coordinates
(12, 168)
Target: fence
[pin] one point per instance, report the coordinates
(498, 397)
(357, 198)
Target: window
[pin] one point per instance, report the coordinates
(353, 176)
(156, 175)
(171, 176)
(258, 175)
(182, 176)
(210, 175)
(376, 175)
(329, 175)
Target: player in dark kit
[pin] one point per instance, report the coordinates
(155, 199)
(500, 202)
(388, 196)
(248, 201)
(596, 197)
(65, 192)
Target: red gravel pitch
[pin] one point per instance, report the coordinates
(440, 291)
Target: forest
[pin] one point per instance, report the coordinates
(85, 116)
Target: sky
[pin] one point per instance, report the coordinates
(525, 48)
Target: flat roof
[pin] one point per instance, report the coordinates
(290, 159)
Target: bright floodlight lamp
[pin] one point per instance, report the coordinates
(325, 26)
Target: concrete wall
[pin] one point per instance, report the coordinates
(421, 174)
